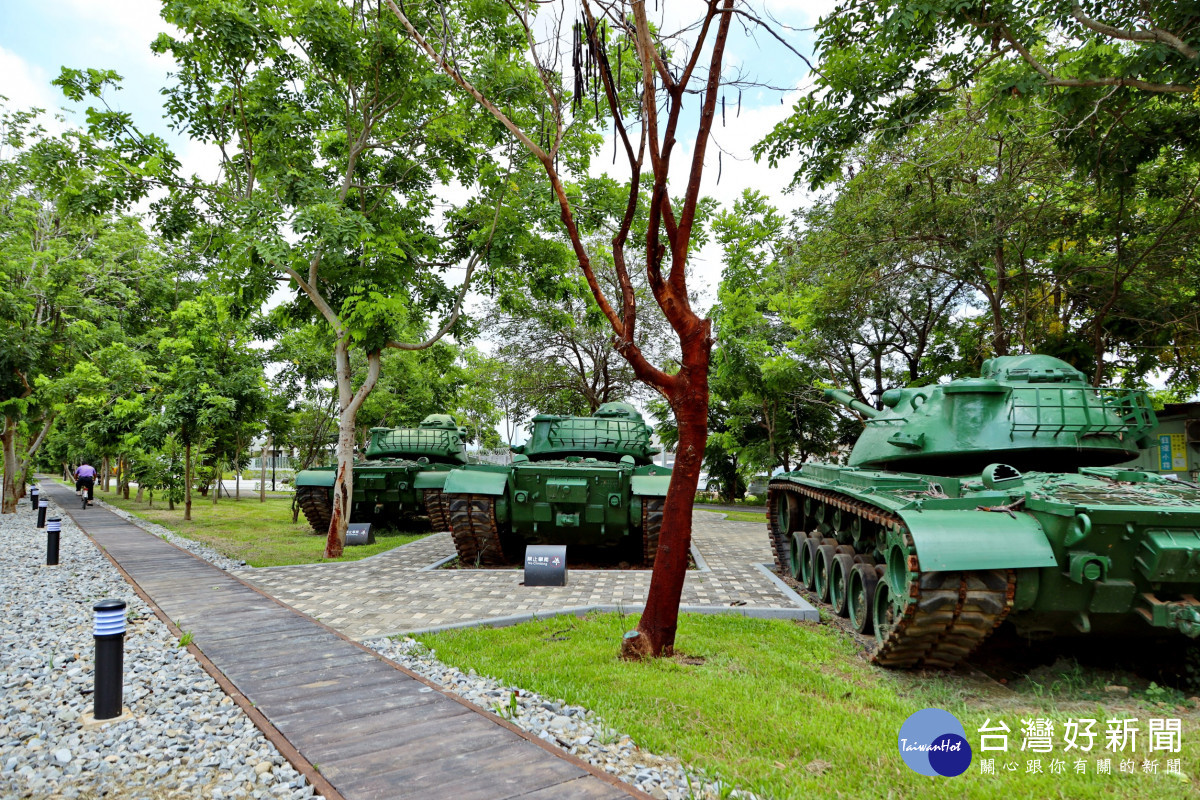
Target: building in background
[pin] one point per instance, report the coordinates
(1176, 446)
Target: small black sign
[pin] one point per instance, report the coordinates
(546, 565)
(359, 533)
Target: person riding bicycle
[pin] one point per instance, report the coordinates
(85, 479)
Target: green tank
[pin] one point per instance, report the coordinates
(578, 481)
(402, 476)
(993, 499)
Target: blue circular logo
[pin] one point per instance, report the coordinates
(933, 742)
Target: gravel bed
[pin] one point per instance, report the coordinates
(573, 728)
(186, 738)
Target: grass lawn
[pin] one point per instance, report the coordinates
(739, 516)
(261, 534)
(792, 710)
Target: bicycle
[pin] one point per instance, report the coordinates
(85, 492)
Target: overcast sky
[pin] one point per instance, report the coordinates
(37, 38)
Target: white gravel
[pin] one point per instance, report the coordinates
(186, 738)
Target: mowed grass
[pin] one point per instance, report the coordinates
(790, 710)
(261, 534)
(739, 516)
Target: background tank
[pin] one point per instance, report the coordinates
(578, 481)
(936, 533)
(401, 477)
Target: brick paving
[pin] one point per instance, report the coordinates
(398, 591)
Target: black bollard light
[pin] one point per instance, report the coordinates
(42, 506)
(53, 528)
(33, 498)
(109, 632)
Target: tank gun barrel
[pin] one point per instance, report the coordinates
(837, 395)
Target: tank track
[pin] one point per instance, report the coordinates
(652, 514)
(945, 615)
(437, 509)
(317, 506)
(475, 531)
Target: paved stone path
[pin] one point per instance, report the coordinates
(398, 591)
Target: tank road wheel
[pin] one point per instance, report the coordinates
(317, 506)
(808, 562)
(824, 565)
(796, 554)
(475, 530)
(652, 514)
(437, 509)
(860, 596)
(839, 583)
(883, 615)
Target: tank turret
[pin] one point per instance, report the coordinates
(437, 439)
(1031, 412)
(613, 431)
(401, 477)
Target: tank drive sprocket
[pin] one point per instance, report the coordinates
(437, 509)
(477, 536)
(652, 514)
(930, 619)
(317, 507)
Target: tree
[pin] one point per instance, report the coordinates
(334, 138)
(966, 212)
(75, 276)
(212, 380)
(769, 414)
(1117, 76)
(622, 43)
(557, 346)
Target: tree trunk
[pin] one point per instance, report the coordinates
(343, 487)
(105, 467)
(216, 483)
(349, 402)
(187, 481)
(661, 617)
(138, 496)
(262, 475)
(9, 438)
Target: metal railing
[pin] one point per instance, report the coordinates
(1081, 410)
(593, 433)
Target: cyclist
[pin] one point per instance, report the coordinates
(85, 480)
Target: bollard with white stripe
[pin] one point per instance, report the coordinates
(53, 529)
(41, 507)
(109, 633)
(33, 498)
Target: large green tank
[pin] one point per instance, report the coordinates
(401, 477)
(578, 481)
(988, 499)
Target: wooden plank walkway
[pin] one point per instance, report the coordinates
(374, 729)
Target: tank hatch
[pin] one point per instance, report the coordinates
(1033, 412)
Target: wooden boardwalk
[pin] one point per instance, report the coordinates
(374, 729)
